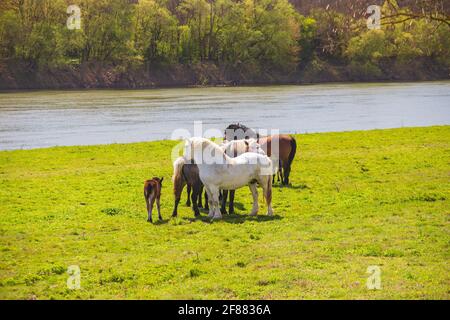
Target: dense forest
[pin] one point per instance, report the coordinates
(144, 43)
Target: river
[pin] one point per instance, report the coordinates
(37, 119)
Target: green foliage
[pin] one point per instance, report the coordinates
(251, 36)
(358, 199)
(403, 42)
(333, 30)
(307, 41)
(155, 33)
(106, 27)
(9, 29)
(369, 47)
(363, 70)
(263, 33)
(31, 31)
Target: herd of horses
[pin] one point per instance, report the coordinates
(244, 158)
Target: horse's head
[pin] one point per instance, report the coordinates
(237, 131)
(235, 148)
(158, 180)
(254, 146)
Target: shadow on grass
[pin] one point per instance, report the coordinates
(158, 222)
(236, 218)
(300, 186)
(237, 205)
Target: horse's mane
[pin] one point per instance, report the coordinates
(235, 126)
(250, 133)
(198, 143)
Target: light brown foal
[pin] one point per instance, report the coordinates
(152, 192)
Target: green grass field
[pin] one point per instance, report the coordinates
(357, 199)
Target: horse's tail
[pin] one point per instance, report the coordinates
(177, 177)
(147, 188)
(293, 151)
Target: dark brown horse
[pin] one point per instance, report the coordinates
(187, 174)
(287, 147)
(152, 192)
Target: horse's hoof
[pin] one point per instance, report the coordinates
(254, 214)
(217, 217)
(150, 220)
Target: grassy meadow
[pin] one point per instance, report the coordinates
(357, 199)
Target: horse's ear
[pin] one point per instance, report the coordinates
(161, 180)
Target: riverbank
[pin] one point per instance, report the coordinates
(358, 199)
(18, 75)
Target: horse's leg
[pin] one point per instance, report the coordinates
(158, 206)
(150, 209)
(189, 189)
(175, 207)
(254, 190)
(210, 202)
(223, 208)
(267, 189)
(280, 172)
(196, 193)
(287, 171)
(231, 202)
(215, 191)
(206, 201)
(177, 190)
(200, 194)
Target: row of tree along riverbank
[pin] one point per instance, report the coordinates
(148, 43)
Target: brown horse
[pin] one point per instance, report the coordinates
(187, 173)
(286, 152)
(152, 192)
(287, 147)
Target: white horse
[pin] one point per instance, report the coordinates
(235, 148)
(219, 171)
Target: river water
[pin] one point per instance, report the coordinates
(58, 118)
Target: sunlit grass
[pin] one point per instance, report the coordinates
(357, 199)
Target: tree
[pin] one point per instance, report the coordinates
(307, 41)
(107, 30)
(432, 10)
(155, 33)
